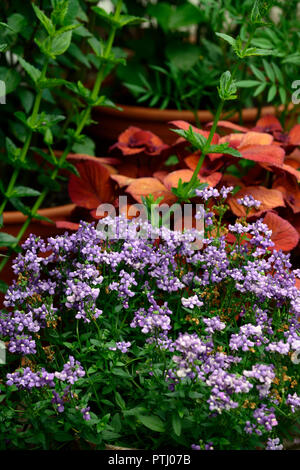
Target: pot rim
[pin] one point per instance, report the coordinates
(164, 115)
(16, 217)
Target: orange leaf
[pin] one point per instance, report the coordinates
(264, 153)
(255, 138)
(143, 187)
(172, 179)
(93, 187)
(212, 179)
(284, 235)
(270, 198)
(122, 180)
(294, 135)
(160, 175)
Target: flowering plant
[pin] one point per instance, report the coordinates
(147, 342)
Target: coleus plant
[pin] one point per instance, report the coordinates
(267, 169)
(53, 42)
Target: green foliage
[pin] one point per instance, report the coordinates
(165, 66)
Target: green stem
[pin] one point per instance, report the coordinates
(27, 143)
(79, 128)
(204, 153)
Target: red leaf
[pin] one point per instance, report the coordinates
(185, 126)
(134, 140)
(282, 169)
(229, 125)
(294, 135)
(93, 187)
(284, 235)
(290, 190)
(83, 157)
(268, 123)
(67, 225)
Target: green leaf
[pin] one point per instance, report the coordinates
(182, 56)
(258, 73)
(278, 74)
(16, 22)
(62, 436)
(3, 287)
(282, 94)
(6, 239)
(269, 71)
(176, 424)
(49, 183)
(260, 10)
(23, 191)
(120, 402)
(52, 83)
(272, 93)
(260, 89)
(262, 52)
(123, 20)
(247, 83)
(152, 422)
(11, 78)
(227, 89)
(32, 71)
(197, 140)
(120, 373)
(224, 148)
(60, 43)
(227, 38)
(46, 22)
(26, 98)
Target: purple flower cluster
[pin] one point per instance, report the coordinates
(249, 202)
(233, 344)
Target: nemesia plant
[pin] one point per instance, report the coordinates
(146, 342)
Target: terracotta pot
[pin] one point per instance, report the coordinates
(14, 220)
(112, 122)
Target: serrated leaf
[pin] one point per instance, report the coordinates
(32, 71)
(46, 22)
(224, 148)
(61, 43)
(52, 82)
